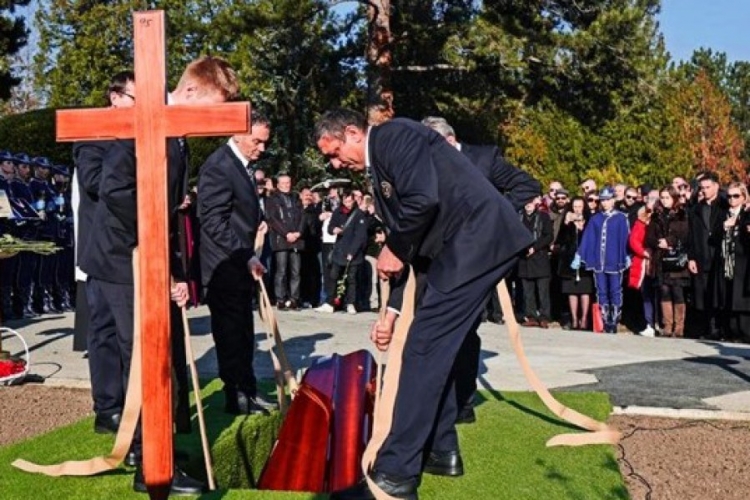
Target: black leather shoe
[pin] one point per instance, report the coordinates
(397, 487)
(182, 484)
(264, 403)
(240, 403)
(107, 424)
(131, 460)
(444, 463)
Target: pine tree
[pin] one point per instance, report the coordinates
(13, 33)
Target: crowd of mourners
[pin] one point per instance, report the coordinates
(663, 260)
(643, 257)
(652, 259)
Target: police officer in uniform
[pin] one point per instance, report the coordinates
(22, 196)
(44, 196)
(63, 277)
(9, 266)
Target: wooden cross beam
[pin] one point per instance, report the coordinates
(150, 123)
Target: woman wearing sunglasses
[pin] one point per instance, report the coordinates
(732, 273)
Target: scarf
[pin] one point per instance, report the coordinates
(728, 250)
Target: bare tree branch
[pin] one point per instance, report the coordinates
(431, 67)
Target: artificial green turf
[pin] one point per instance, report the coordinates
(504, 455)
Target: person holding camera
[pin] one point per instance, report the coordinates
(577, 284)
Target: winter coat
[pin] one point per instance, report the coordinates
(537, 265)
(285, 215)
(642, 262)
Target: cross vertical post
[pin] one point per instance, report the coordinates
(153, 246)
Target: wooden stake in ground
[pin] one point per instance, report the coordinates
(150, 122)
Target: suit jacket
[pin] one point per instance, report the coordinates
(284, 214)
(87, 158)
(110, 247)
(353, 241)
(518, 186)
(437, 205)
(229, 212)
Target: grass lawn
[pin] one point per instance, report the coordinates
(504, 457)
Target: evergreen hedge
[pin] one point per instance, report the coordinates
(33, 133)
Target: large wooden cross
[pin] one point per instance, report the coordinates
(150, 123)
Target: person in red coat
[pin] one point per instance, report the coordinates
(642, 268)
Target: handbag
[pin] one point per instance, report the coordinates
(675, 260)
(596, 318)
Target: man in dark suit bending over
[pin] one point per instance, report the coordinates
(519, 188)
(436, 205)
(230, 215)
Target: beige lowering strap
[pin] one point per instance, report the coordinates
(384, 402)
(198, 401)
(601, 432)
(283, 373)
(130, 414)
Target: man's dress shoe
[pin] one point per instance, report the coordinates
(404, 488)
(131, 459)
(444, 463)
(240, 403)
(107, 424)
(182, 484)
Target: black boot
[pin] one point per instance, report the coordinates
(616, 313)
(66, 305)
(49, 302)
(606, 318)
(27, 303)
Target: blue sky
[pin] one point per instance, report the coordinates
(686, 24)
(721, 25)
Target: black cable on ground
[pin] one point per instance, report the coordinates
(685, 425)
